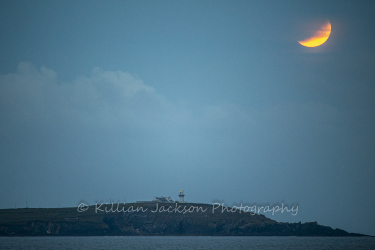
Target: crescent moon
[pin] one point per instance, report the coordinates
(319, 37)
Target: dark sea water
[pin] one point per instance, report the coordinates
(190, 242)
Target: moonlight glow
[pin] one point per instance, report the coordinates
(319, 37)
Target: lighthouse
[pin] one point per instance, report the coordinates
(181, 195)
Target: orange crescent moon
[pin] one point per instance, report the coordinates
(319, 37)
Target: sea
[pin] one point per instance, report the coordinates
(186, 242)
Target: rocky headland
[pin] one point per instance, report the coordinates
(151, 219)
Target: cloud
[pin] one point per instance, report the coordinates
(35, 100)
(112, 128)
(104, 98)
(117, 104)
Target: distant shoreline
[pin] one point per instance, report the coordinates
(170, 219)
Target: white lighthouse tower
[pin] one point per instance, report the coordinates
(181, 195)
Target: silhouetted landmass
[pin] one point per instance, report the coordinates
(142, 219)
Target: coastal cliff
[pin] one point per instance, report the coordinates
(151, 219)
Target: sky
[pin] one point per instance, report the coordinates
(120, 101)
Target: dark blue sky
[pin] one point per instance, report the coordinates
(131, 99)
